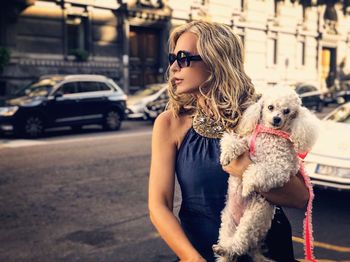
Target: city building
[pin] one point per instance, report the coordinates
(285, 41)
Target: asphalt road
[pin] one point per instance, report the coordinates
(83, 197)
(78, 198)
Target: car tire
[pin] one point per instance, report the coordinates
(112, 120)
(76, 128)
(319, 107)
(33, 126)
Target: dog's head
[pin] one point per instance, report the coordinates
(279, 108)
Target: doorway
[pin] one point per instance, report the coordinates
(144, 46)
(329, 66)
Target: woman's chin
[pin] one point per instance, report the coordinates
(186, 90)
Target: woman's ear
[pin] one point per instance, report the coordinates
(305, 129)
(250, 118)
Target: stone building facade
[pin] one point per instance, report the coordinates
(59, 37)
(285, 41)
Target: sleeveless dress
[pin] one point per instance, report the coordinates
(203, 186)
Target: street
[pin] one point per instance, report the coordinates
(83, 197)
(80, 199)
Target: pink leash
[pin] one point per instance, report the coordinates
(308, 238)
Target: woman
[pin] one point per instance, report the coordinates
(209, 91)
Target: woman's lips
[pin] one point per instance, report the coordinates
(177, 81)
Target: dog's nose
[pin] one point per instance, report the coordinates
(276, 120)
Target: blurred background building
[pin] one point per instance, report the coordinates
(285, 41)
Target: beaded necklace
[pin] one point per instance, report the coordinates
(206, 126)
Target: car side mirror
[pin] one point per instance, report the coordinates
(58, 94)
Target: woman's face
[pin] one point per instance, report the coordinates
(188, 79)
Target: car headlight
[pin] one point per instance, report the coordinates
(343, 172)
(8, 111)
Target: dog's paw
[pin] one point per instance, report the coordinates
(225, 158)
(247, 190)
(230, 146)
(220, 250)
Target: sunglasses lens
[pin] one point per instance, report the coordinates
(171, 58)
(182, 59)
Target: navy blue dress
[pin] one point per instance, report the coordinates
(203, 186)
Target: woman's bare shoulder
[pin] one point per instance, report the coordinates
(168, 120)
(171, 126)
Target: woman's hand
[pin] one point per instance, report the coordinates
(293, 194)
(239, 165)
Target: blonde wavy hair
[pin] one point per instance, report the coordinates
(228, 91)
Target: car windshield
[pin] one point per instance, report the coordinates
(305, 89)
(40, 88)
(342, 114)
(148, 91)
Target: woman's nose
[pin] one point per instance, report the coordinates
(174, 67)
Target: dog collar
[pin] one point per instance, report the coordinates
(264, 129)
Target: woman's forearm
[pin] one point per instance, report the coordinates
(292, 194)
(170, 230)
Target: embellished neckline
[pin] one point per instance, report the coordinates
(206, 126)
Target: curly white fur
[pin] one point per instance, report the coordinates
(247, 216)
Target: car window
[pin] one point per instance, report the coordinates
(303, 89)
(40, 88)
(148, 91)
(104, 87)
(68, 88)
(300, 90)
(311, 88)
(90, 86)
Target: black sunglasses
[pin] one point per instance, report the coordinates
(183, 58)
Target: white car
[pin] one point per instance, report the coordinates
(136, 103)
(328, 163)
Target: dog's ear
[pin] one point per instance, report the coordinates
(294, 115)
(304, 131)
(250, 118)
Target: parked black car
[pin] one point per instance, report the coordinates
(72, 100)
(311, 96)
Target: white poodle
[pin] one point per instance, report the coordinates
(247, 215)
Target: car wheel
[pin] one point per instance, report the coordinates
(33, 126)
(112, 120)
(320, 106)
(76, 128)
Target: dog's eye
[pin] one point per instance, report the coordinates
(270, 107)
(286, 111)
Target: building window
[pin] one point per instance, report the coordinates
(2, 88)
(275, 8)
(272, 51)
(76, 33)
(303, 12)
(301, 53)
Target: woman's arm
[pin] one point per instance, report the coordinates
(293, 194)
(161, 190)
